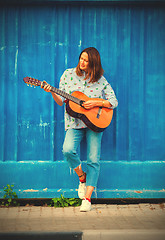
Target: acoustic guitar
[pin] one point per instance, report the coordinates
(96, 119)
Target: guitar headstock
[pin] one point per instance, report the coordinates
(32, 81)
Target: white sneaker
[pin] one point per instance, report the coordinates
(85, 206)
(82, 190)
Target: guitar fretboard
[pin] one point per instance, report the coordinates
(66, 95)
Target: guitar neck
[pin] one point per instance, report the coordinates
(66, 95)
(36, 82)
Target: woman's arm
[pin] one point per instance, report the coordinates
(57, 99)
(96, 103)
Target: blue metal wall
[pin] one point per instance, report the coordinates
(41, 42)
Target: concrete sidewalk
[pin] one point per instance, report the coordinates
(131, 221)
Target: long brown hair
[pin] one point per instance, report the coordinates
(95, 70)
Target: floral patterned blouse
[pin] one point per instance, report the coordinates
(70, 82)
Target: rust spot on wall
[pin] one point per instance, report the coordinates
(138, 191)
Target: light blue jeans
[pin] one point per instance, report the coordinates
(72, 140)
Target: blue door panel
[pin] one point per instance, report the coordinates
(41, 42)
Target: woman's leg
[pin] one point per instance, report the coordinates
(93, 167)
(72, 140)
(80, 173)
(93, 160)
(89, 192)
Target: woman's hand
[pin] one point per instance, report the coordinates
(46, 86)
(91, 104)
(96, 103)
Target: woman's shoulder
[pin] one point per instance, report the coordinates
(103, 80)
(70, 73)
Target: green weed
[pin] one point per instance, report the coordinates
(10, 196)
(65, 202)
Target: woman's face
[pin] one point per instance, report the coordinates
(84, 62)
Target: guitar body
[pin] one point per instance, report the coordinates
(97, 118)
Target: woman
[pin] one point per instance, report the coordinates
(88, 78)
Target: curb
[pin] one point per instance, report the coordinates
(124, 234)
(41, 236)
(128, 234)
